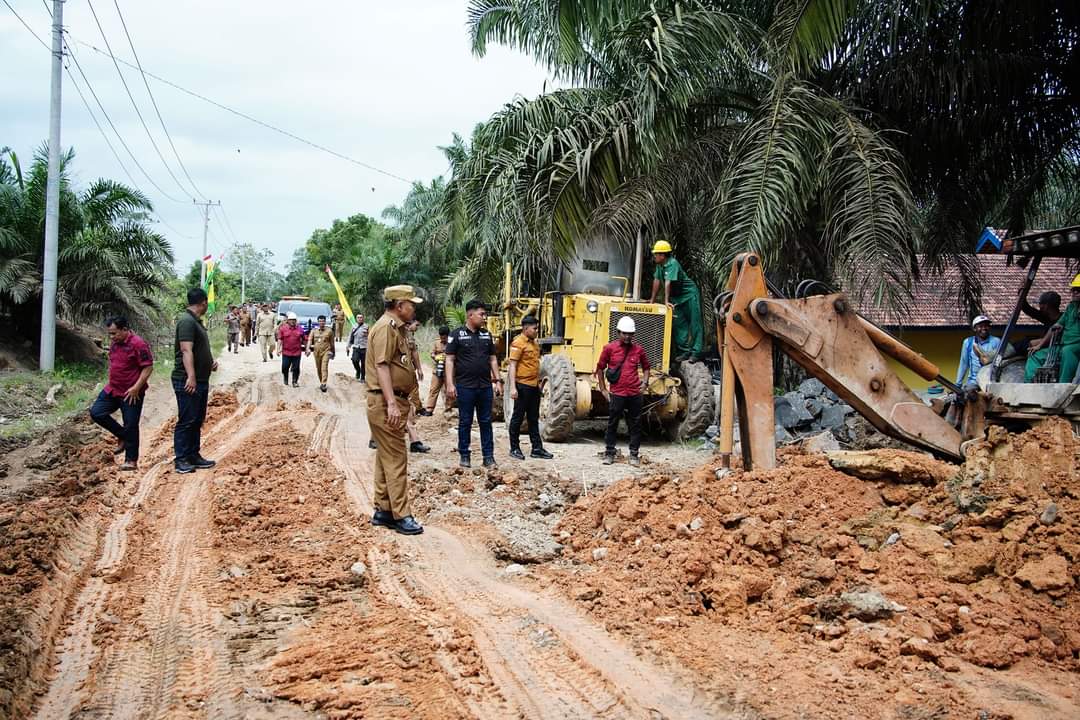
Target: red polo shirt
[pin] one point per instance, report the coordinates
(292, 340)
(612, 356)
(127, 359)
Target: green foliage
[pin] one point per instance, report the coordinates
(110, 261)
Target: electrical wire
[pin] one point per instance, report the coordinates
(90, 87)
(153, 102)
(47, 8)
(228, 225)
(132, 99)
(249, 118)
(29, 29)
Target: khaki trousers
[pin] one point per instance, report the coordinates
(245, 333)
(437, 384)
(391, 458)
(322, 365)
(266, 344)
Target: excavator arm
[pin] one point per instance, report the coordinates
(847, 353)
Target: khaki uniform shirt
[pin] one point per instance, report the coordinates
(322, 340)
(439, 348)
(527, 354)
(265, 322)
(388, 345)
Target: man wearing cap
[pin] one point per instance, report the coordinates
(130, 365)
(389, 387)
(264, 330)
(472, 371)
(681, 294)
(976, 351)
(321, 339)
(290, 338)
(1065, 334)
(523, 384)
(618, 380)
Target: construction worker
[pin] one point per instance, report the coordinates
(389, 387)
(472, 378)
(357, 347)
(523, 384)
(415, 443)
(438, 373)
(290, 339)
(264, 330)
(1065, 334)
(618, 380)
(977, 350)
(321, 339)
(191, 382)
(130, 365)
(681, 294)
(245, 325)
(232, 330)
(339, 323)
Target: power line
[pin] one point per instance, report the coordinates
(90, 87)
(154, 102)
(249, 118)
(47, 8)
(30, 29)
(132, 99)
(228, 225)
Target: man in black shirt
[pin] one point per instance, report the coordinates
(472, 373)
(191, 383)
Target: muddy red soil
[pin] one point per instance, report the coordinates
(539, 590)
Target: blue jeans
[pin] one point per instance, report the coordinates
(190, 415)
(480, 400)
(101, 413)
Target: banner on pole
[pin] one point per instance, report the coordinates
(341, 297)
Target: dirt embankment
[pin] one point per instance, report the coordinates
(883, 595)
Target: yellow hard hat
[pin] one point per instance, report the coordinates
(1076, 281)
(661, 246)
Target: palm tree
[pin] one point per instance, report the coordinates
(831, 136)
(109, 261)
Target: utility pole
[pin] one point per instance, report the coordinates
(243, 272)
(205, 229)
(47, 357)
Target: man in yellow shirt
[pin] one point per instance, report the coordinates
(524, 388)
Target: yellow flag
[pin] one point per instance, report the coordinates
(341, 296)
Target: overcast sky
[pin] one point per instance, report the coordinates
(384, 83)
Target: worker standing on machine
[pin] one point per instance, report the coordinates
(683, 296)
(1066, 333)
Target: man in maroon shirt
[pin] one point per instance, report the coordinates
(290, 338)
(130, 365)
(618, 367)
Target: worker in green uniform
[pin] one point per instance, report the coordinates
(1066, 333)
(683, 296)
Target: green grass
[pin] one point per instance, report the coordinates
(22, 397)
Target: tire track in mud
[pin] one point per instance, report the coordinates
(74, 681)
(545, 659)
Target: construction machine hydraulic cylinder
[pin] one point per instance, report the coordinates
(905, 355)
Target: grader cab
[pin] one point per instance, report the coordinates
(575, 324)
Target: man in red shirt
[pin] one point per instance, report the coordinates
(618, 367)
(130, 365)
(290, 338)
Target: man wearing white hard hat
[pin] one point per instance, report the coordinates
(290, 337)
(976, 351)
(618, 379)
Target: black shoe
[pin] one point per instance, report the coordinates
(609, 459)
(296, 384)
(183, 467)
(541, 453)
(323, 388)
(635, 461)
(424, 413)
(517, 454)
(681, 358)
(408, 526)
(371, 445)
(489, 462)
(198, 461)
(383, 518)
(464, 461)
(419, 447)
(286, 381)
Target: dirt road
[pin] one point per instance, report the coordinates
(236, 592)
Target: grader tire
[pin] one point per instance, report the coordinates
(558, 402)
(700, 403)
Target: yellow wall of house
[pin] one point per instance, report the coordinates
(941, 347)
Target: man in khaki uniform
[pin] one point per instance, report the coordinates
(339, 323)
(245, 325)
(265, 323)
(321, 338)
(438, 360)
(390, 380)
(415, 443)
